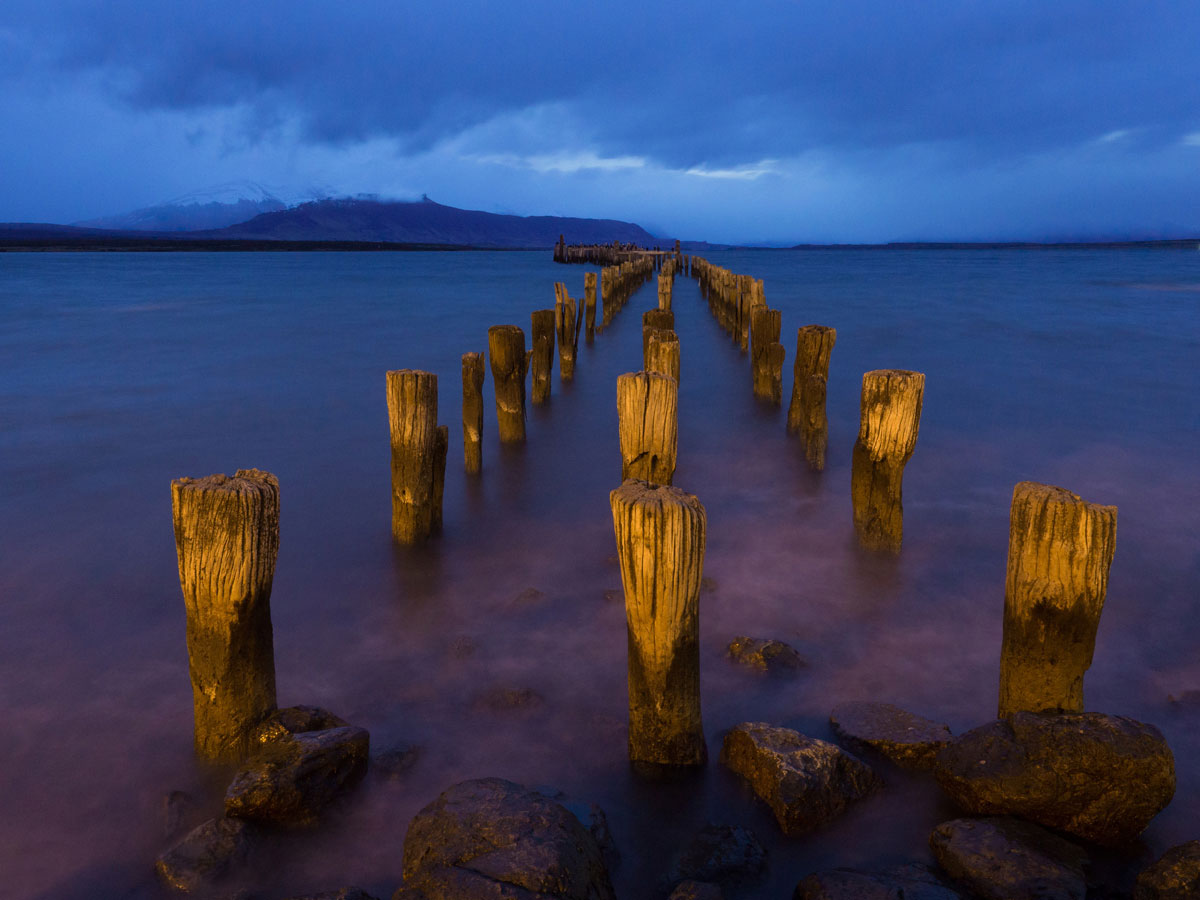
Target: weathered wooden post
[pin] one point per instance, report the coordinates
(227, 539)
(441, 447)
(589, 304)
(662, 354)
(472, 411)
(665, 281)
(1059, 552)
(887, 434)
(660, 543)
(412, 414)
(766, 361)
(655, 320)
(568, 332)
(541, 364)
(648, 418)
(506, 353)
(810, 375)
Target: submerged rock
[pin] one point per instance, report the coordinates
(591, 817)
(283, 723)
(395, 763)
(1007, 859)
(291, 781)
(527, 599)
(206, 854)
(1175, 876)
(723, 854)
(1101, 778)
(696, 890)
(708, 585)
(765, 655)
(506, 699)
(911, 882)
(179, 810)
(806, 782)
(490, 838)
(903, 737)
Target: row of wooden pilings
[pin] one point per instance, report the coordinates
(227, 538)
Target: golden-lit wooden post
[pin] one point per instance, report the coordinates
(412, 415)
(810, 375)
(506, 352)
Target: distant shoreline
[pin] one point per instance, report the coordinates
(96, 244)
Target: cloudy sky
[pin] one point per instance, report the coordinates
(862, 120)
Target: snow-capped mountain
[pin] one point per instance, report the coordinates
(214, 207)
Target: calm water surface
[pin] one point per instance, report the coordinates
(119, 372)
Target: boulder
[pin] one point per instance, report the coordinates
(289, 782)
(1175, 876)
(696, 890)
(1007, 859)
(291, 720)
(180, 810)
(206, 854)
(1101, 778)
(490, 838)
(903, 737)
(591, 817)
(911, 882)
(394, 764)
(723, 854)
(806, 782)
(765, 655)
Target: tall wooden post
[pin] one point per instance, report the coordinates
(655, 320)
(541, 363)
(589, 304)
(664, 290)
(506, 353)
(227, 539)
(412, 414)
(766, 361)
(660, 535)
(565, 316)
(887, 435)
(472, 411)
(662, 354)
(648, 418)
(810, 375)
(1059, 552)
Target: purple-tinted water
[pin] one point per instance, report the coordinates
(120, 372)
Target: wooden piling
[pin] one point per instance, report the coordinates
(506, 354)
(647, 410)
(810, 376)
(766, 362)
(472, 411)
(565, 323)
(887, 434)
(589, 305)
(662, 354)
(541, 363)
(1059, 552)
(660, 534)
(655, 320)
(441, 447)
(227, 540)
(412, 414)
(665, 281)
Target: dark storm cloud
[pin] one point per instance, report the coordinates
(686, 84)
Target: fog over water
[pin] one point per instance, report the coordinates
(120, 372)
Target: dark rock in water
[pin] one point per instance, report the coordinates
(911, 882)
(283, 723)
(527, 599)
(1188, 701)
(708, 585)
(724, 854)
(179, 809)
(1101, 778)
(395, 763)
(346, 893)
(696, 890)
(503, 699)
(806, 782)
(906, 739)
(290, 782)
(766, 655)
(1007, 859)
(490, 838)
(206, 854)
(1175, 876)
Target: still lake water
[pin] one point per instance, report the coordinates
(120, 372)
